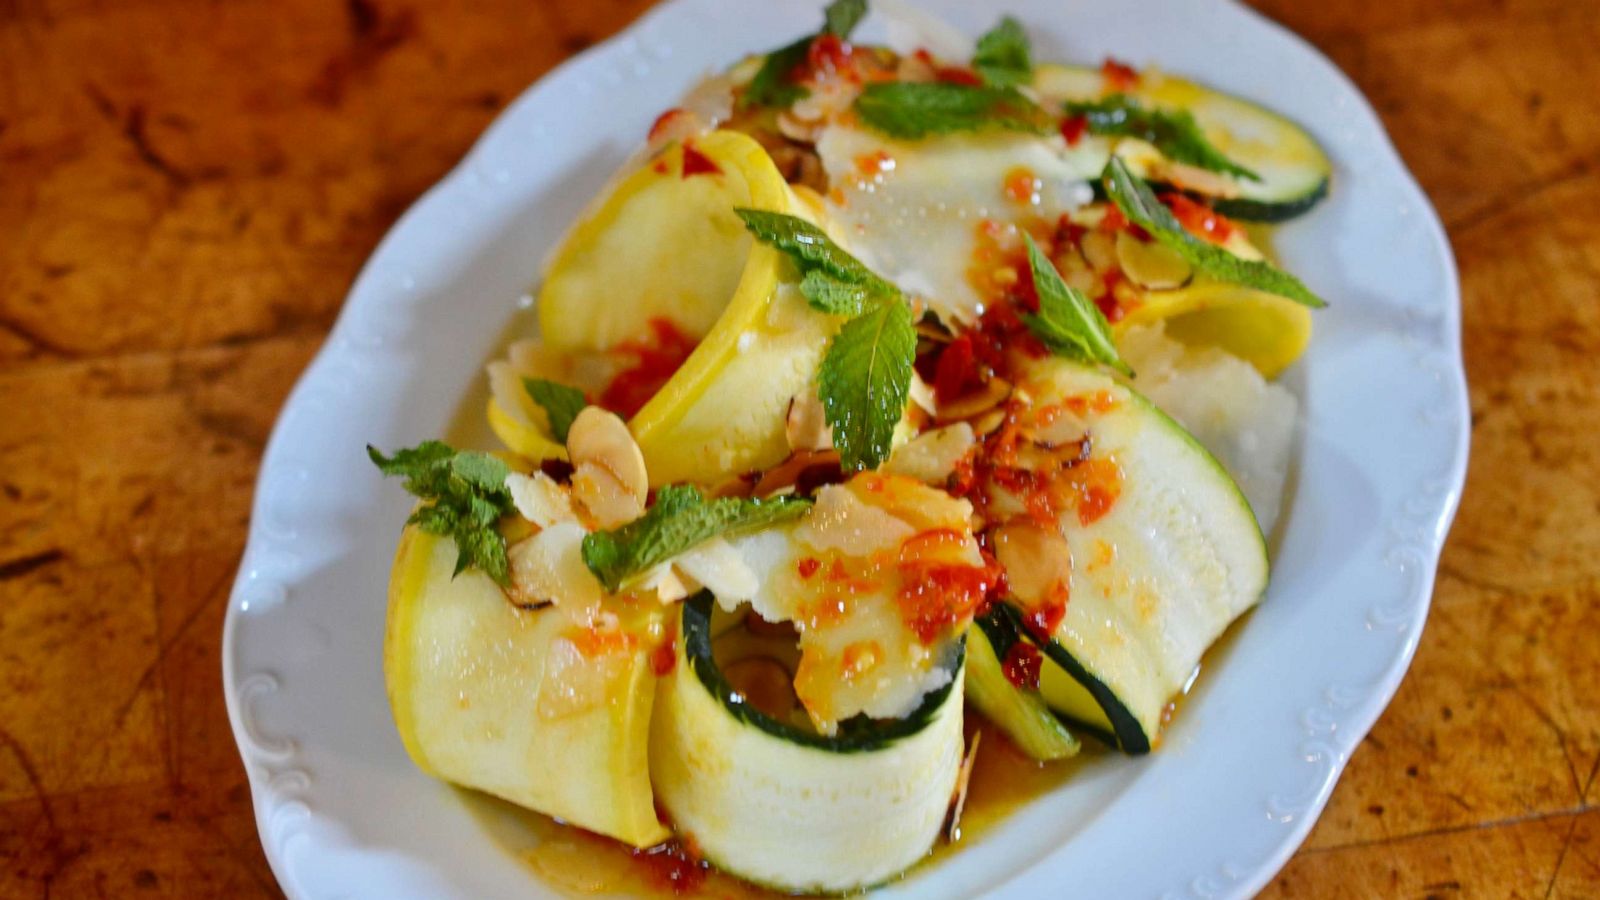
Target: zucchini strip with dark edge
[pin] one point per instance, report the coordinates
(1018, 712)
(1293, 171)
(768, 801)
(1189, 558)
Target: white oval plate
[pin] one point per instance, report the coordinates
(1245, 770)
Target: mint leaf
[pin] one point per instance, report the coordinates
(842, 16)
(865, 377)
(814, 252)
(680, 519)
(1004, 58)
(1175, 133)
(1068, 322)
(864, 382)
(774, 84)
(1141, 207)
(830, 295)
(464, 497)
(911, 110)
(561, 404)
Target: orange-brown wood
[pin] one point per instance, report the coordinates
(187, 189)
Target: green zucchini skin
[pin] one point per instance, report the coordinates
(1297, 169)
(787, 809)
(1126, 735)
(1021, 714)
(858, 734)
(1126, 646)
(1251, 210)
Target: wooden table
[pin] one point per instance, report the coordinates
(187, 190)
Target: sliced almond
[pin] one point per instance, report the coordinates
(989, 422)
(931, 456)
(1055, 427)
(602, 439)
(796, 129)
(976, 402)
(795, 470)
(1204, 181)
(1075, 271)
(1151, 265)
(1037, 561)
(765, 683)
(539, 499)
(608, 503)
(1100, 251)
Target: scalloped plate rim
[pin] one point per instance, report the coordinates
(1359, 717)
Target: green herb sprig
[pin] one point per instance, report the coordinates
(1004, 57)
(1068, 322)
(680, 518)
(1141, 207)
(561, 404)
(864, 381)
(911, 110)
(1175, 133)
(774, 84)
(464, 496)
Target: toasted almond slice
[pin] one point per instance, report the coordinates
(601, 438)
(1151, 265)
(1037, 561)
(539, 499)
(1100, 250)
(931, 456)
(975, 402)
(608, 503)
(989, 422)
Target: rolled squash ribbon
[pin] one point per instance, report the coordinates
(788, 808)
(501, 699)
(665, 244)
(1165, 553)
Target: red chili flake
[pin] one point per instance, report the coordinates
(663, 121)
(875, 163)
(1042, 622)
(1108, 302)
(1097, 501)
(558, 469)
(808, 566)
(829, 53)
(957, 370)
(1073, 128)
(1022, 186)
(697, 163)
(836, 572)
(660, 167)
(657, 359)
(1068, 232)
(1022, 665)
(665, 657)
(1024, 294)
(1119, 76)
(933, 598)
(958, 75)
(1199, 219)
(674, 866)
(1113, 221)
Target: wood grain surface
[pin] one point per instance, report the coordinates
(188, 188)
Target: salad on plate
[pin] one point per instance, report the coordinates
(888, 397)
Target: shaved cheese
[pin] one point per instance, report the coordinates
(539, 499)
